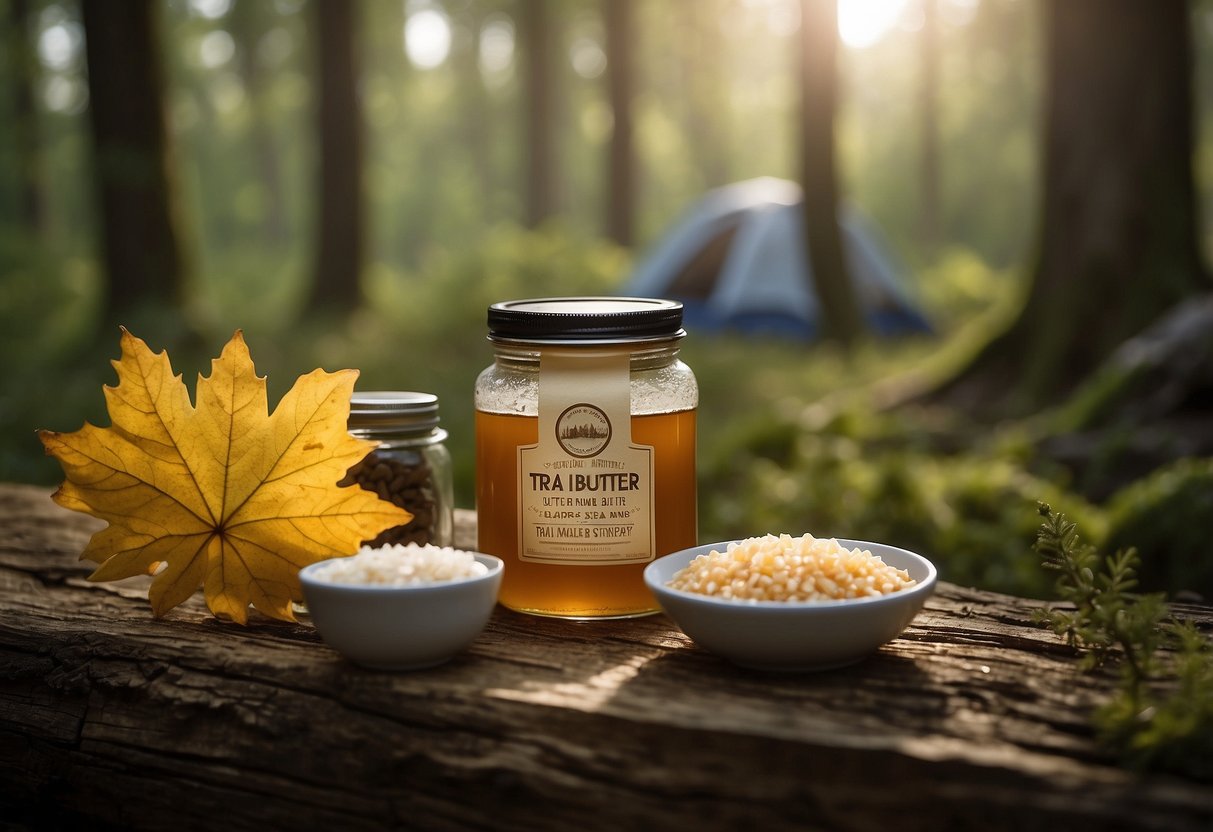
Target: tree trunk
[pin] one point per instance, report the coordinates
(928, 114)
(23, 73)
(340, 232)
(839, 314)
(535, 36)
(975, 718)
(621, 168)
(248, 29)
(139, 223)
(1118, 242)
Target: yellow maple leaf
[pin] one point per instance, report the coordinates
(222, 494)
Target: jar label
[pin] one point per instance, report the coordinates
(585, 490)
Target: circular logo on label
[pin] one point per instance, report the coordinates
(583, 430)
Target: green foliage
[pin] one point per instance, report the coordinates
(259, 288)
(859, 475)
(1161, 714)
(451, 289)
(48, 315)
(1097, 399)
(49, 300)
(1107, 615)
(1173, 729)
(1167, 516)
(958, 286)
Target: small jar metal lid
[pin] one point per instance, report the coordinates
(393, 411)
(585, 320)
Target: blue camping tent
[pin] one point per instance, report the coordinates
(737, 261)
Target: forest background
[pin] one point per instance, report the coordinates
(352, 183)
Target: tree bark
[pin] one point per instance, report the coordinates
(138, 206)
(621, 187)
(840, 317)
(1118, 242)
(340, 220)
(535, 36)
(973, 719)
(22, 66)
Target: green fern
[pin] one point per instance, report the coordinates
(1161, 715)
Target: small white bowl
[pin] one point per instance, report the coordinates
(401, 627)
(793, 635)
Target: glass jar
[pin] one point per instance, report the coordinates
(411, 467)
(585, 452)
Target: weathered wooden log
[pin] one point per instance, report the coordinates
(109, 717)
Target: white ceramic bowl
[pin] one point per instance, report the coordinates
(793, 635)
(401, 627)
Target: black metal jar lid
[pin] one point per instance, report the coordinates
(393, 411)
(585, 320)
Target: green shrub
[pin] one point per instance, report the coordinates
(1168, 517)
(449, 294)
(864, 477)
(959, 285)
(48, 300)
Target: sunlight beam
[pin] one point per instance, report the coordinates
(862, 23)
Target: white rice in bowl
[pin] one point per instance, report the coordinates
(397, 565)
(786, 568)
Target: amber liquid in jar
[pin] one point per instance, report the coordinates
(585, 452)
(582, 591)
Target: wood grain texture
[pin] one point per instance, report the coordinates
(974, 718)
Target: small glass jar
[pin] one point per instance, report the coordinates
(585, 452)
(411, 467)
